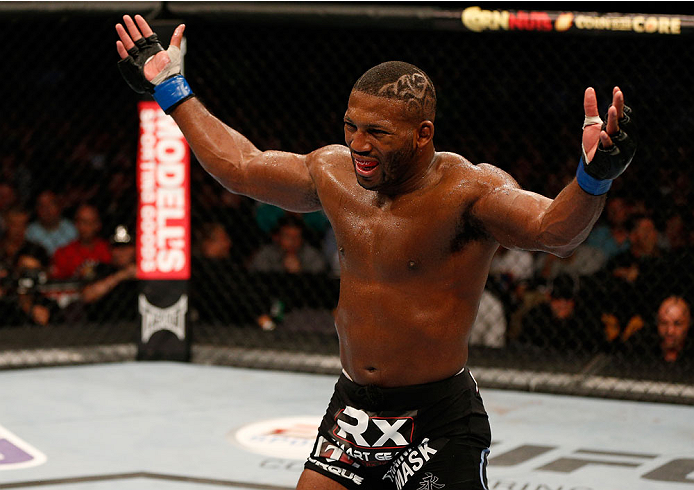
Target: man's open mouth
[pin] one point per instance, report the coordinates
(365, 167)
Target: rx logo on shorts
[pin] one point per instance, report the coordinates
(358, 428)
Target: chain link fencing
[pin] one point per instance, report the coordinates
(588, 324)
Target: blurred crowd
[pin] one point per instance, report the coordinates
(60, 264)
(626, 289)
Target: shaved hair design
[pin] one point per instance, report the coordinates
(401, 81)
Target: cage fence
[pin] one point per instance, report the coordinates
(588, 324)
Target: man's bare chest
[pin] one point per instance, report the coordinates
(412, 237)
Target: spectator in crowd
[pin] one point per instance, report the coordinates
(674, 320)
(611, 235)
(516, 265)
(50, 230)
(14, 239)
(663, 350)
(78, 259)
(640, 261)
(585, 261)
(21, 300)
(113, 291)
(268, 217)
(221, 293)
(290, 255)
(560, 323)
(211, 199)
(215, 243)
(624, 291)
(489, 329)
(510, 274)
(288, 251)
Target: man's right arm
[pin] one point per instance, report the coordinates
(274, 177)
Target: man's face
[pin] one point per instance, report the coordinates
(87, 223)
(16, 223)
(290, 239)
(122, 255)
(218, 244)
(381, 140)
(47, 209)
(644, 233)
(673, 323)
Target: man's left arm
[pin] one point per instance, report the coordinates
(521, 219)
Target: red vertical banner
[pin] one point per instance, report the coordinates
(163, 182)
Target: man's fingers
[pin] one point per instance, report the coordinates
(122, 52)
(612, 120)
(605, 140)
(590, 103)
(178, 35)
(124, 37)
(144, 26)
(618, 101)
(132, 28)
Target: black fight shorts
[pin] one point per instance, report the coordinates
(423, 437)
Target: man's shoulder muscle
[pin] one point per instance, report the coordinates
(330, 166)
(487, 176)
(328, 156)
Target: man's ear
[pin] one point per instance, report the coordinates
(424, 133)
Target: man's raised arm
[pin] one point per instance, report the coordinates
(275, 177)
(522, 219)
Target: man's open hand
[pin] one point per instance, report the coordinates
(144, 63)
(608, 146)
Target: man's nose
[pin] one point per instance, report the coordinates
(360, 143)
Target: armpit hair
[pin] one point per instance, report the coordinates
(468, 229)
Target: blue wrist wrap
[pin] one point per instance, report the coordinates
(591, 185)
(172, 91)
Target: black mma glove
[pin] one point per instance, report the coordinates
(596, 176)
(168, 88)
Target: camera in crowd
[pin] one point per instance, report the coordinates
(26, 280)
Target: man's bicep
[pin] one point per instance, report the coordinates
(513, 216)
(282, 179)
